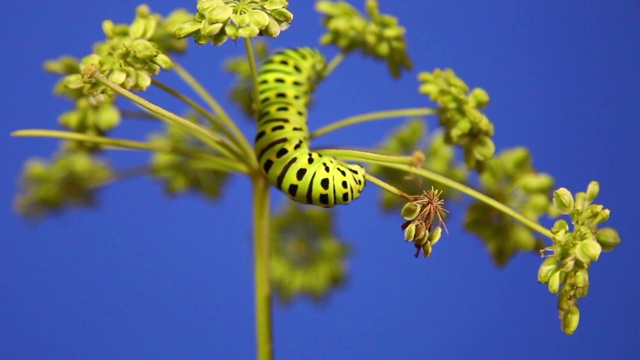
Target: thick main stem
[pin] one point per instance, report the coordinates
(261, 248)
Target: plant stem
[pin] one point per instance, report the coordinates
(261, 248)
(253, 67)
(373, 116)
(212, 139)
(194, 105)
(333, 64)
(238, 138)
(217, 163)
(427, 174)
(366, 156)
(390, 188)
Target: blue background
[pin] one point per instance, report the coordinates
(146, 276)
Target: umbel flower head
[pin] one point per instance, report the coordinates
(460, 115)
(130, 54)
(565, 269)
(217, 20)
(379, 35)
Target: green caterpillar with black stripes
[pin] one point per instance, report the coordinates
(285, 84)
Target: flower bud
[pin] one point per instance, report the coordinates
(284, 16)
(427, 248)
(593, 190)
(588, 251)
(560, 225)
(107, 117)
(570, 320)
(163, 61)
(435, 235)
(608, 238)
(410, 211)
(563, 200)
(547, 268)
(410, 232)
(554, 282)
(259, 19)
(118, 76)
(107, 28)
(582, 283)
(564, 301)
(479, 97)
(272, 29)
(421, 234)
(534, 183)
(484, 148)
(189, 28)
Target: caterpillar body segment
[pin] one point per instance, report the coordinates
(285, 84)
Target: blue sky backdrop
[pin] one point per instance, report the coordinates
(143, 276)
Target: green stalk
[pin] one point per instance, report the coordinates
(427, 174)
(216, 162)
(253, 67)
(239, 139)
(194, 105)
(385, 186)
(347, 154)
(261, 248)
(332, 65)
(373, 116)
(210, 138)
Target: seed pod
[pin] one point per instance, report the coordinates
(410, 211)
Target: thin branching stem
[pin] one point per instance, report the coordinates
(373, 116)
(194, 105)
(430, 175)
(208, 137)
(358, 155)
(386, 186)
(333, 64)
(253, 67)
(239, 138)
(216, 163)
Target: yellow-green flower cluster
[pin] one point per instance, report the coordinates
(218, 20)
(460, 115)
(129, 56)
(69, 180)
(566, 267)
(379, 35)
(93, 115)
(511, 179)
(180, 174)
(306, 257)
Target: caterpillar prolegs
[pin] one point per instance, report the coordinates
(285, 84)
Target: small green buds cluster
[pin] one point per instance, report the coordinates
(128, 57)
(511, 178)
(460, 115)
(436, 156)
(216, 20)
(70, 179)
(180, 174)
(566, 269)
(307, 259)
(91, 119)
(420, 215)
(380, 35)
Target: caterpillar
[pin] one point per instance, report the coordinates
(285, 84)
